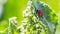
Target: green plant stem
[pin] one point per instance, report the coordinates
(43, 26)
(50, 32)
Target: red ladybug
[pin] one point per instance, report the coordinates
(40, 13)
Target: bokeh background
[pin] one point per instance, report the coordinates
(14, 8)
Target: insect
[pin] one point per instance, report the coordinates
(40, 13)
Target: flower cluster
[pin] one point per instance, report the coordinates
(26, 11)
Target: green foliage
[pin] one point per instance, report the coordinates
(32, 23)
(47, 23)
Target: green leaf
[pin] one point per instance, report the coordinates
(49, 18)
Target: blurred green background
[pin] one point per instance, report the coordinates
(14, 8)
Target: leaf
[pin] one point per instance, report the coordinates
(49, 18)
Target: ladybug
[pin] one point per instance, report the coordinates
(40, 13)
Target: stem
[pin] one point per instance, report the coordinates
(43, 26)
(50, 32)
